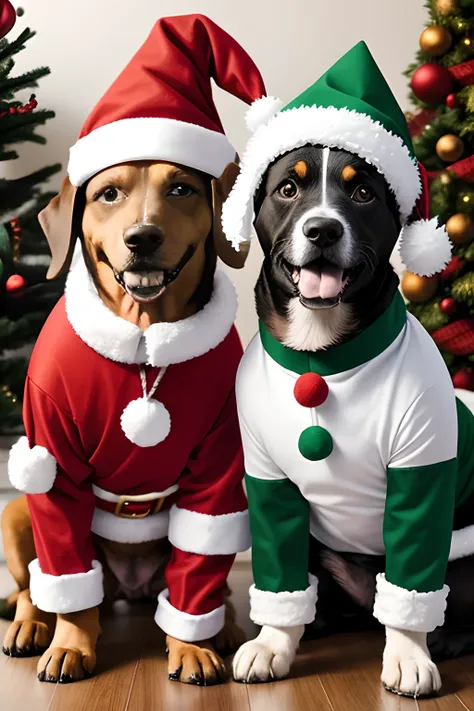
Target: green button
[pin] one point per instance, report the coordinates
(315, 443)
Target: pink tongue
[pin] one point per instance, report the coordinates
(325, 284)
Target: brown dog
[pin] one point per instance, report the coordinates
(119, 214)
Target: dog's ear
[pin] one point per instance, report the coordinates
(220, 191)
(56, 221)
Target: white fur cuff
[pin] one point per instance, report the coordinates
(66, 593)
(407, 609)
(31, 470)
(186, 627)
(209, 535)
(284, 609)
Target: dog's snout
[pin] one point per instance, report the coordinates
(143, 239)
(323, 231)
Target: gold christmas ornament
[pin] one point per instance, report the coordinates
(460, 228)
(418, 289)
(435, 41)
(446, 7)
(445, 178)
(450, 148)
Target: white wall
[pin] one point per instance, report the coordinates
(87, 44)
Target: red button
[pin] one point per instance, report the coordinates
(311, 390)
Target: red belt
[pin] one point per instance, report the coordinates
(124, 508)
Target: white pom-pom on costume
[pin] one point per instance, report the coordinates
(261, 111)
(425, 248)
(145, 422)
(32, 470)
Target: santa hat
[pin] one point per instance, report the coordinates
(350, 107)
(161, 105)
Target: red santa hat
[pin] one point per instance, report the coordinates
(161, 105)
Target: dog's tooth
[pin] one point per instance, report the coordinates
(145, 281)
(131, 279)
(295, 276)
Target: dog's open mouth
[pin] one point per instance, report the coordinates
(321, 281)
(145, 285)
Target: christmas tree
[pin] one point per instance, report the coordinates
(26, 298)
(442, 90)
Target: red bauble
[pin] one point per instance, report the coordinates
(464, 379)
(432, 83)
(15, 283)
(453, 268)
(451, 101)
(448, 306)
(311, 390)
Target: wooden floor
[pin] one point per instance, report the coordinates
(336, 674)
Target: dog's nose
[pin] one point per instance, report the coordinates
(143, 239)
(323, 231)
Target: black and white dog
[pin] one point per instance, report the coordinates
(328, 223)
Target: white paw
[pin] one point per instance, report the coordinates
(268, 657)
(407, 666)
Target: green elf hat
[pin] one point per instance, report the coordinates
(350, 107)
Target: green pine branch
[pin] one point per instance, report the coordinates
(28, 80)
(10, 125)
(9, 49)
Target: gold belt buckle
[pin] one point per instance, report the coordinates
(125, 500)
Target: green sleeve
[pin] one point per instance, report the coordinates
(279, 524)
(418, 524)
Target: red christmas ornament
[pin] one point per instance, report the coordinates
(456, 338)
(448, 306)
(464, 379)
(311, 390)
(451, 101)
(7, 17)
(432, 83)
(15, 283)
(453, 268)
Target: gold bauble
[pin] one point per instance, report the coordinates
(417, 288)
(460, 228)
(435, 41)
(445, 178)
(446, 7)
(450, 148)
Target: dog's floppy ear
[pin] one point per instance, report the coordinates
(56, 221)
(220, 191)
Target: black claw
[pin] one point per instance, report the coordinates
(65, 679)
(196, 679)
(174, 676)
(41, 676)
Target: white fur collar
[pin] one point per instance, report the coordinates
(161, 344)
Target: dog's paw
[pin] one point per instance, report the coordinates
(268, 657)
(407, 666)
(192, 664)
(63, 666)
(26, 638)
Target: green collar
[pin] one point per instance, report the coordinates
(363, 347)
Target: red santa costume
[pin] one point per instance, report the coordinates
(134, 435)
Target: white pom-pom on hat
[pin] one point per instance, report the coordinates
(146, 422)
(32, 470)
(425, 248)
(261, 111)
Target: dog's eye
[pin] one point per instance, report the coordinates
(181, 191)
(110, 195)
(288, 189)
(363, 194)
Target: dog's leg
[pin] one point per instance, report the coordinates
(31, 630)
(231, 637)
(269, 656)
(407, 666)
(71, 656)
(194, 663)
